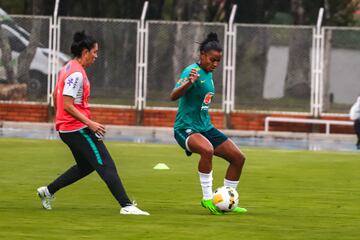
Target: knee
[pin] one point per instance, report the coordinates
(240, 160)
(242, 157)
(207, 152)
(86, 171)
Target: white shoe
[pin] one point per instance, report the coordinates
(45, 197)
(133, 210)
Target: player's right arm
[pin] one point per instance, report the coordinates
(71, 94)
(183, 85)
(75, 113)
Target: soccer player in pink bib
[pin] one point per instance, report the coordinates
(82, 135)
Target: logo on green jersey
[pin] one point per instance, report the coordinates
(208, 97)
(207, 101)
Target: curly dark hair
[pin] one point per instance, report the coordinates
(211, 43)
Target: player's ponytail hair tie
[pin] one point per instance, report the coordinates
(81, 41)
(211, 43)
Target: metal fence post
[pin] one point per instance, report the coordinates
(317, 65)
(141, 66)
(48, 97)
(53, 46)
(229, 68)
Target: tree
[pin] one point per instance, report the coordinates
(297, 83)
(22, 73)
(6, 58)
(25, 58)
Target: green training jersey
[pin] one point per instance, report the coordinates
(193, 108)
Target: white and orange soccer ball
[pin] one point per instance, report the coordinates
(226, 198)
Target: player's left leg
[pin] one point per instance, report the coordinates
(231, 153)
(109, 175)
(80, 170)
(99, 158)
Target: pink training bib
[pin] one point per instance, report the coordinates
(64, 121)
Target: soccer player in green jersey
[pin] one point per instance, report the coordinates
(193, 129)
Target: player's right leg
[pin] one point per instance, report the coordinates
(197, 143)
(45, 196)
(357, 131)
(81, 169)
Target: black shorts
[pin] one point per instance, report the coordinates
(214, 136)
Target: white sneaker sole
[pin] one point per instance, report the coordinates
(43, 200)
(135, 213)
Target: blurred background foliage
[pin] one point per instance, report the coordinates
(299, 12)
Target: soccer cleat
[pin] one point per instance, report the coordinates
(45, 197)
(210, 205)
(133, 210)
(239, 210)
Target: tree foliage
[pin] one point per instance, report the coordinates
(337, 12)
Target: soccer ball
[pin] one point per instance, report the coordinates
(226, 198)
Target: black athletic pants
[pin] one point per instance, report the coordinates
(90, 154)
(357, 131)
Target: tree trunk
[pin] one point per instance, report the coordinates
(297, 83)
(217, 12)
(260, 60)
(25, 58)
(6, 58)
(297, 10)
(183, 11)
(252, 48)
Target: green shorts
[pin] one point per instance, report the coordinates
(214, 136)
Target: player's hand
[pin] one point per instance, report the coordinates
(193, 75)
(97, 128)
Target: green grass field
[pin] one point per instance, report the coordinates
(289, 195)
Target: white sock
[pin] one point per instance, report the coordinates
(229, 183)
(206, 185)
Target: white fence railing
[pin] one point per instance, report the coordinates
(327, 123)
